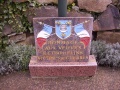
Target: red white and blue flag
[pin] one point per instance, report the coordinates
(43, 35)
(83, 34)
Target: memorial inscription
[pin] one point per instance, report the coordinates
(62, 47)
(62, 39)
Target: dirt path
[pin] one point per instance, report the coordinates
(105, 79)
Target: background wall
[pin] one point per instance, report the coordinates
(105, 12)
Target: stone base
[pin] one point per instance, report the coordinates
(62, 69)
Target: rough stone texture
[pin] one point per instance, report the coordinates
(115, 2)
(96, 25)
(7, 30)
(76, 8)
(16, 37)
(78, 14)
(108, 20)
(45, 1)
(51, 11)
(30, 40)
(64, 54)
(94, 5)
(65, 69)
(53, 1)
(45, 11)
(106, 78)
(109, 37)
(19, 0)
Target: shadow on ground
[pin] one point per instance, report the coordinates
(105, 79)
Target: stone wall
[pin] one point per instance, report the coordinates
(45, 1)
(105, 12)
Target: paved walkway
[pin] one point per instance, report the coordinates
(105, 79)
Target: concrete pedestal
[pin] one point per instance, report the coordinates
(62, 69)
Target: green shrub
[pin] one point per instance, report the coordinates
(15, 58)
(112, 55)
(106, 54)
(98, 49)
(4, 66)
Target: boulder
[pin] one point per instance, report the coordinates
(19, 0)
(51, 11)
(30, 40)
(78, 14)
(115, 2)
(16, 37)
(94, 5)
(44, 11)
(45, 1)
(53, 1)
(108, 20)
(7, 30)
(96, 25)
(109, 37)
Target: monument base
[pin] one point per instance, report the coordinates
(62, 69)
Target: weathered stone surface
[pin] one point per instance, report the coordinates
(108, 20)
(7, 30)
(16, 37)
(45, 1)
(19, 0)
(76, 8)
(53, 1)
(96, 26)
(45, 11)
(30, 40)
(78, 14)
(58, 46)
(64, 69)
(94, 5)
(51, 11)
(115, 2)
(109, 37)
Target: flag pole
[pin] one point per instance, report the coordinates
(62, 8)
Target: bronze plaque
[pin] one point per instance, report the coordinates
(63, 39)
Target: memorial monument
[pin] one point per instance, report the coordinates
(62, 47)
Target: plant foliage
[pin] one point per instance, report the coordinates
(14, 15)
(106, 54)
(15, 58)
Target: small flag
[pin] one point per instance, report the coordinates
(43, 35)
(82, 33)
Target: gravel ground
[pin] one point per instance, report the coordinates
(105, 79)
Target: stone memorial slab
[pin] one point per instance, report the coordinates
(62, 44)
(62, 69)
(62, 39)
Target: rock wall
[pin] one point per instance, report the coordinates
(45, 1)
(105, 12)
(94, 5)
